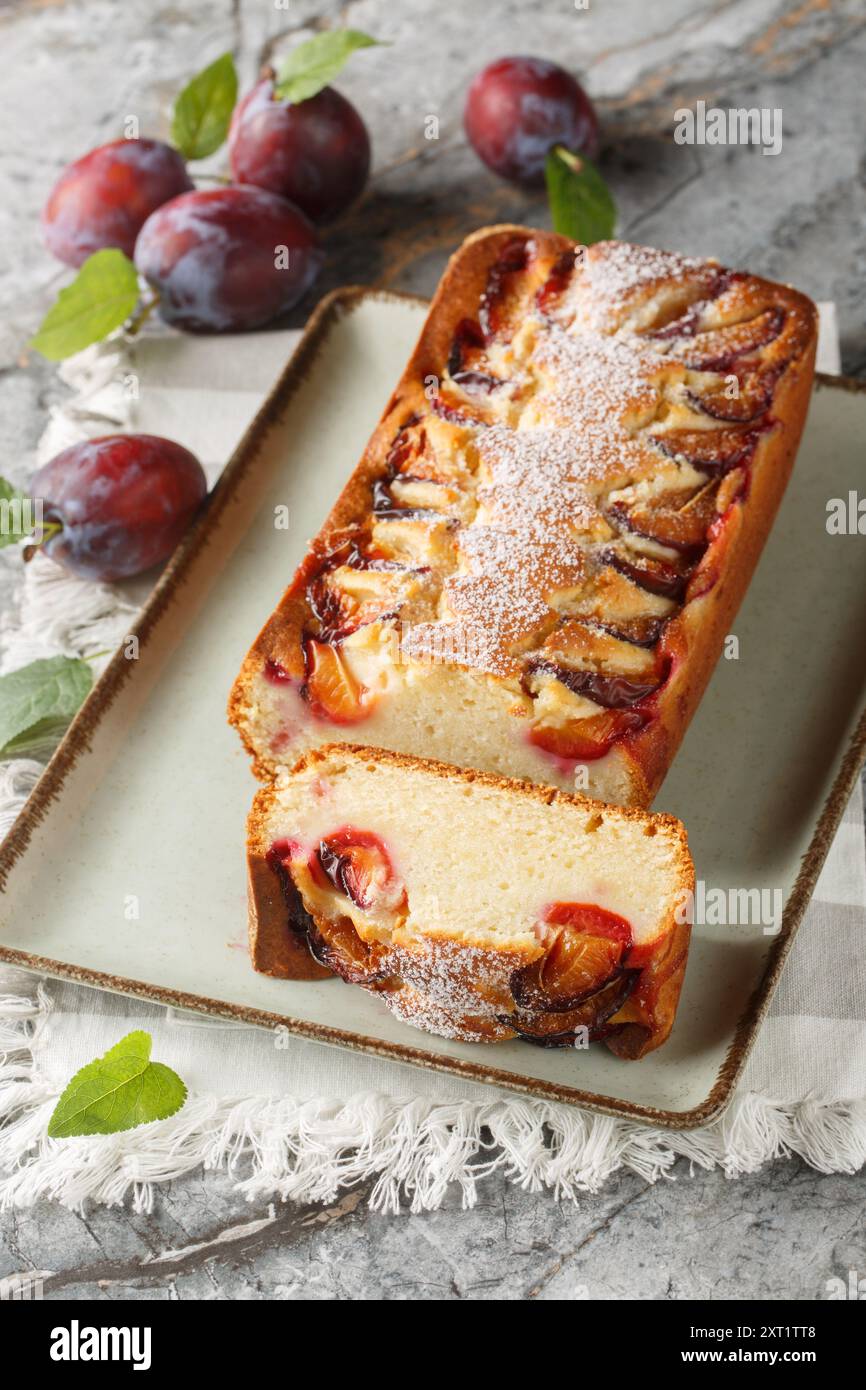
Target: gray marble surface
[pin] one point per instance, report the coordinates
(777, 1235)
(71, 73)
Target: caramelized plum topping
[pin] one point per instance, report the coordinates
(752, 401)
(556, 282)
(687, 324)
(710, 451)
(718, 349)
(653, 575)
(586, 952)
(329, 688)
(450, 411)
(333, 613)
(588, 739)
(641, 632)
(477, 383)
(387, 507)
(612, 692)
(355, 553)
(337, 945)
(545, 1028)
(589, 918)
(382, 499)
(357, 863)
(513, 258)
(682, 527)
(467, 334)
(279, 858)
(401, 448)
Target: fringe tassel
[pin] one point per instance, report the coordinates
(57, 613)
(17, 780)
(415, 1151)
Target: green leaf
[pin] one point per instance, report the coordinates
(312, 65)
(17, 514)
(101, 297)
(581, 203)
(38, 701)
(202, 112)
(119, 1091)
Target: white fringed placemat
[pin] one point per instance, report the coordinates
(298, 1120)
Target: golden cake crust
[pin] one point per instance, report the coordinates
(692, 634)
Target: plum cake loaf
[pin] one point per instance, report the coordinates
(501, 909)
(534, 566)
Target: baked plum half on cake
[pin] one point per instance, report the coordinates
(477, 907)
(534, 567)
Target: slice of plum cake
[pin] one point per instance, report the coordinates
(474, 906)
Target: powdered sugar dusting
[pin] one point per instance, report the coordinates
(618, 272)
(537, 512)
(585, 383)
(456, 991)
(420, 1011)
(592, 384)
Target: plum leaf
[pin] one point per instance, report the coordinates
(203, 110)
(101, 297)
(38, 701)
(312, 65)
(119, 1091)
(581, 204)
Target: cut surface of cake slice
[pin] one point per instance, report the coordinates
(477, 907)
(534, 566)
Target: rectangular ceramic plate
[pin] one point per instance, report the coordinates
(149, 791)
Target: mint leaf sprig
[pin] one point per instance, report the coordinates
(38, 702)
(119, 1091)
(203, 109)
(312, 65)
(100, 299)
(581, 204)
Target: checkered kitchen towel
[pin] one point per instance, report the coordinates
(349, 1117)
